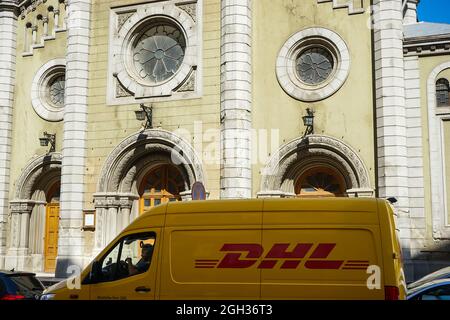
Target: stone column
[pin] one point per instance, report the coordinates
(100, 220)
(34, 35)
(45, 26)
(236, 99)
(125, 212)
(111, 220)
(17, 256)
(56, 19)
(8, 36)
(70, 246)
(411, 12)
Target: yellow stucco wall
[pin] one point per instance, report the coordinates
(28, 127)
(346, 115)
(426, 66)
(109, 125)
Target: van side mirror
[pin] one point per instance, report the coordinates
(96, 272)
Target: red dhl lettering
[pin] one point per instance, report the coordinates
(246, 255)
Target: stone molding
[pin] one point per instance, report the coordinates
(11, 6)
(123, 158)
(21, 206)
(285, 65)
(439, 207)
(44, 108)
(114, 200)
(33, 170)
(296, 154)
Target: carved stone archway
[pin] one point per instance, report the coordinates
(116, 199)
(27, 221)
(295, 157)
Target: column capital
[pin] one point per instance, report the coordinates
(10, 5)
(21, 206)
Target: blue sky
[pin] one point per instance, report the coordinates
(434, 11)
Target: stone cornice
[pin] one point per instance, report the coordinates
(424, 46)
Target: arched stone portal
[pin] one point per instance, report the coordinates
(118, 197)
(37, 189)
(320, 155)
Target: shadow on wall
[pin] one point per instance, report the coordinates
(428, 260)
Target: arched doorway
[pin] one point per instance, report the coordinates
(315, 165)
(320, 182)
(145, 169)
(161, 184)
(51, 228)
(35, 215)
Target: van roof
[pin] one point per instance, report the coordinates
(157, 215)
(287, 204)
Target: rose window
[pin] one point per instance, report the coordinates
(314, 65)
(159, 52)
(56, 90)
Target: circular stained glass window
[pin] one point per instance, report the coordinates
(314, 65)
(56, 90)
(159, 52)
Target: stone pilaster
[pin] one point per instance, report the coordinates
(391, 126)
(390, 102)
(8, 36)
(70, 246)
(417, 220)
(236, 99)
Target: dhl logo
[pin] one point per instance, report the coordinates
(246, 255)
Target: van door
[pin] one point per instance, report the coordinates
(128, 270)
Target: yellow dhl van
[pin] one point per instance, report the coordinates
(249, 249)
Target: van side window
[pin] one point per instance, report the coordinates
(130, 256)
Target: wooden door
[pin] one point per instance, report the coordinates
(51, 237)
(160, 185)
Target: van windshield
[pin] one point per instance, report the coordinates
(130, 256)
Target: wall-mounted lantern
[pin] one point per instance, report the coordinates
(308, 122)
(145, 114)
(48, 138)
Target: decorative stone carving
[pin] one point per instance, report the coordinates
(121, 91)
(19, 207)
(150, 141)
(31, 172)
(143, 66)
(30, 6)
(189, 85)
(295, 154)
(123, 17)
(190, 8)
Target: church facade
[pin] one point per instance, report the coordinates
(111, 107)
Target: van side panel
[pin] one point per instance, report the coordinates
(209, 255)
(393, 264)
(315, 252)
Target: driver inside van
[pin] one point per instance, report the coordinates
(143, 263)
